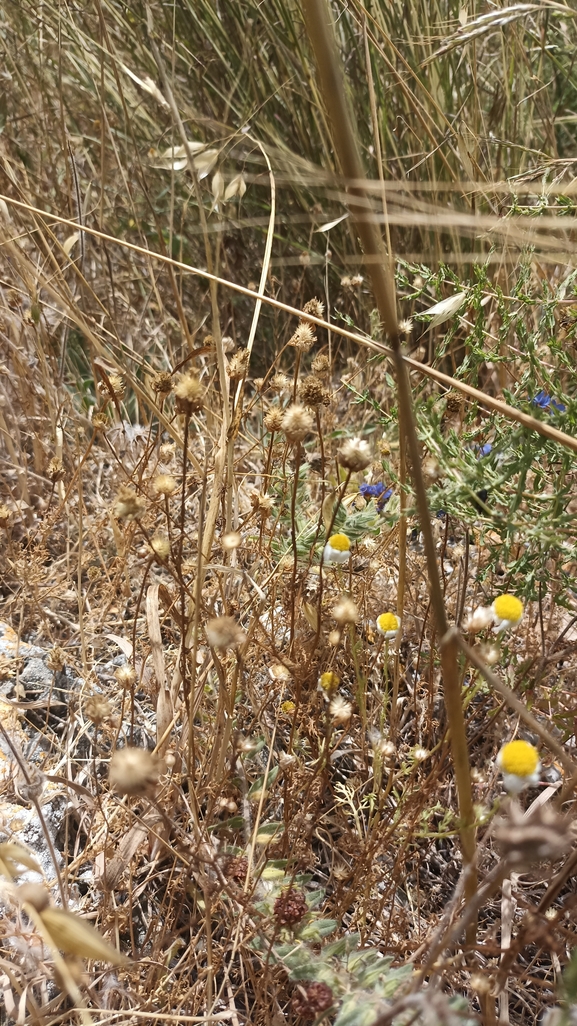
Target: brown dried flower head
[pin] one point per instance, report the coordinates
(303, 338)
(56, 659)
(128, 504)
(297, 422)
(314, 307)
(162, 383)
(160, 545)
(125, 675)
(133, 771)
(117, 386)
(167, 452)
(273, 419)
(262, 504)
(279, 383)
(321, 364)
(224, 632)
(189, 394)
(55, 470)
(5, 515)
(355, 455)
(99, 420)
(238, 365)
(290, 907)
(164, 484)
(310, 999)
(312, 392)
(97, 708)
(237, 868)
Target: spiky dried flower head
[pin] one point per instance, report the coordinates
(337, 549)
(406, 327)
(290, 907)
(340, 710)
(303, 338)
(33, 894)
(128, 505)
(329, 682)
(508, 612)
(162, 383)
(297, 423)
(189, 394)
(321, 364)
(354, 455)
(167, 452)
(238, 365)
(279, 383)
(56, 659)
(345, 611)
(126, 676)
(133, 771)
(160, 545)
(5, 515)
(314, 307)
(97, 708)
(388, 625)
(55, 469)
(115, 386)
(262, 504)
(312, 392)
(164, 484)
(99, 420)
(224, 632)
(273, 419)
(310, 999)
(520, 765)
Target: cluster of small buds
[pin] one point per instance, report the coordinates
(337, 549)
(520, 765)
(311, 999)
(389, 625)
(290, 907)
(237, 868)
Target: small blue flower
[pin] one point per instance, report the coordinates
(545, 402)
(376, 491)
(484, 450)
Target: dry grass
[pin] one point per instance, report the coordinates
(150, 484)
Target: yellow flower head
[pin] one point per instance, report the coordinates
(337, 549)
(388, 625)
(520, 765)
(287, 708)
(329, 682)
(508, 611)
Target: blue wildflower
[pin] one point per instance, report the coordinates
(484, 450)
(378, 492)
(545, 402)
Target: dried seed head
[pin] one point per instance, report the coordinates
(99, 420)
(56, 659)
(237, 868)
(340, 710)
(312, 392)
(33, 894)
(297, 422)
(227, 344)
(126, 676)
(55, 470)
(321, 364)
(97, 708)
(224, 632)
(346, 281)
(117, 386)
(290, 907)
(5, 515)
(406, 327)
(166, 452)
(162, 383)
(128, 505)
(262, 504)
(231, 541)
(189, 394)
(238, 365)
(357, 280)
(273, 419)
(164, 484)
(314, 307)
(310, 999)
(345, 611)
(355, 455)
(160, 545)
(279, 383)
(303, 338)
(133, 771)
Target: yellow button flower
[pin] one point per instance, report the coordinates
(507, 611)
(520, 765)
(388, 625)
(337, 549)
(329, 682)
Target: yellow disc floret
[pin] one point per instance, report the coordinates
(519, 758)
(340, 542)
(387, 622)
(329, 682)
(507, 607)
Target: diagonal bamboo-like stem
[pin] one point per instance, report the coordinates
(331, 78)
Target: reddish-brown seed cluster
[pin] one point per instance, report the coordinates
(290, 907)
(312, 998)
(237, 868)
